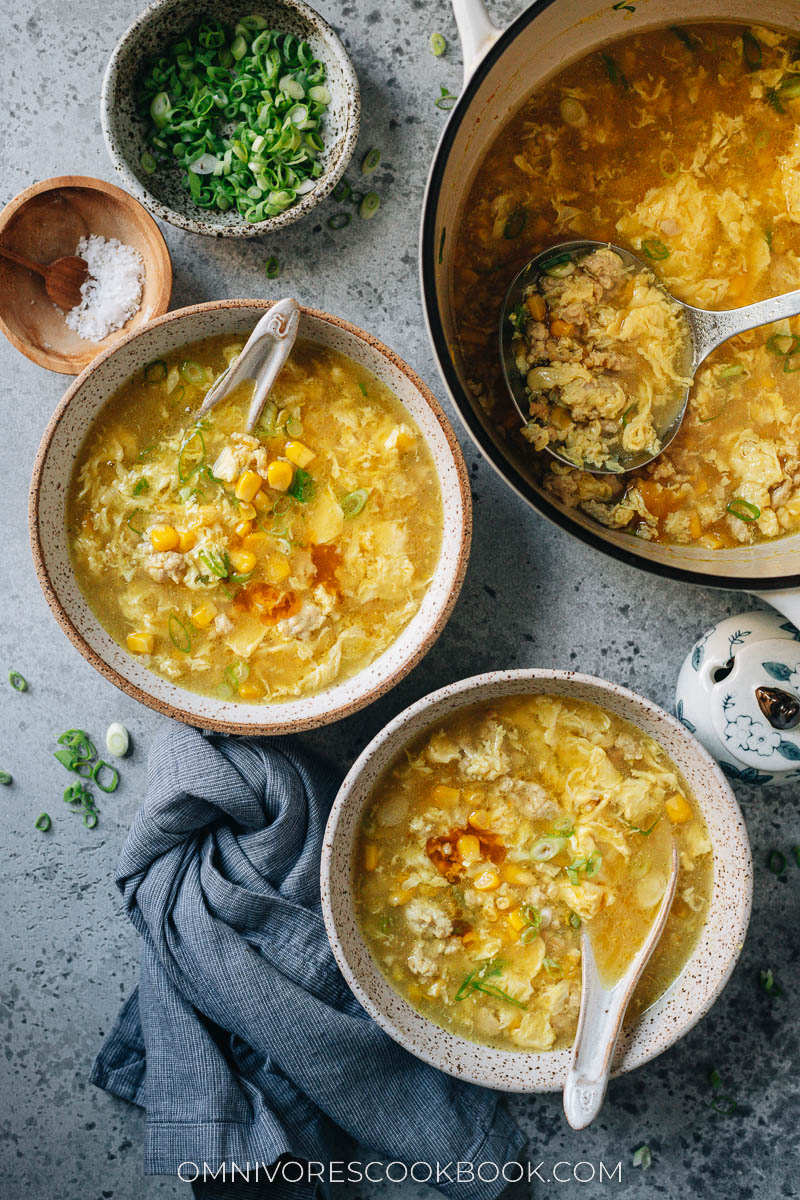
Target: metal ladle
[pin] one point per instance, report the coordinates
(261, 361)
(601, 1015)
(707, 330)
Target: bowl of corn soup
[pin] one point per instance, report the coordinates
(261, 582)
(486, 827)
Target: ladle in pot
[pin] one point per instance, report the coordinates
(706, 330)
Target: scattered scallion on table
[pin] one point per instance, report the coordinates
(777, 863)
(370, 161)
(445, 100)
(239, 111)
(369, 206)
(437, 44)
(272, 267)
(43, 822)
(768, 984)
(339, 220)
(18, 682)
(643, 1158)
(5, 778)
(117, 740)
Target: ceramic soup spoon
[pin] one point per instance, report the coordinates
(262, 359)
(600, 1020)
(706, 331)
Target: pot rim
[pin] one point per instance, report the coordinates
(470, 690)
(274, 726)
(502, 465)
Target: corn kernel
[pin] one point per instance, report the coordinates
(242, 561)
(487, 881)
(243, 528)
(246, 511)
(299, 454)
(516, 874)
(677, 809)
(370, 856)
(279, 475)
(479, 819)
(402, 896)
(474, 797)
(187, 539)
(516, 920)
(204, 615)
(249, 485)
(400, 438)
(250, 691)
(140, 643)
(263, 501)
(257, 542)
(442, 794)
(469, 848)
(164, 537)
(278, 568)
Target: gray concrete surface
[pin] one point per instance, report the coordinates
(533, 596)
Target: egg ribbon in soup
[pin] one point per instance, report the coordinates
(683, 145)
(489, 844)
(255, 568)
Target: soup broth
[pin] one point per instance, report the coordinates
(255, 568)
(497, 836)
(682, 145)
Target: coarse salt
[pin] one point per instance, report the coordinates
(112, 292)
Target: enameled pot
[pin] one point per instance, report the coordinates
(678, 1009)
(501, 69)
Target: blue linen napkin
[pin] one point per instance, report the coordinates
(242, 1041)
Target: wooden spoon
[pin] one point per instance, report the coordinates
(63, 278)
(600, 1020)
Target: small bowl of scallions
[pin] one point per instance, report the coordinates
(228, 120)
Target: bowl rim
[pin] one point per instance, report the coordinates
(471, 690)
(276, 726)
(199, 224)
(45, 358)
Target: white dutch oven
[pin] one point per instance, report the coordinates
(673, 1015)
(500, 71)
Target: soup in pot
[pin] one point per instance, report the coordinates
(263, 567)
(682, 145)
(497, 836)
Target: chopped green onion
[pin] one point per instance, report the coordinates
(224, 691)
(626, 416)
(272, 268)
(593, 864)
(574, 920)
(148, 163)
(294, 428)
(789, 366)
(655, 249)
(643, 1158)
(131, 526)
(776, 862)
(725, 1105)
(715, 1079)
(614, 74)
(761, 139)
(369, 206)
(43, 822)
(783, 344)
(559, 266)
(362, 387)
(155, 371)
(193, 373)
(731, 371)
(140, 486)
(683, 36)
(767, 981)
(215, 563)
(515, 223)
(668, 164)
(446, 100)
(113, 782)
(353, 503)
(179, 634)
(551, 966)
(339, 220)
(302, 486)
(236, 674)
(370, 161)
(751, 51)
(644, 832)
(5, 778)
(547, 848)
(743, 509)
(192, 445)
(437, 44)
(18, 682)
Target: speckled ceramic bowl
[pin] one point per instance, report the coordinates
(685, 1002)
(164, 22)
(64, 436)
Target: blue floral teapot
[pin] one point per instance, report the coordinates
(739, 693)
